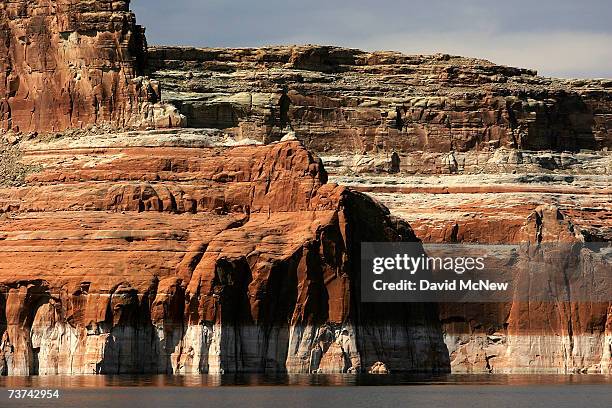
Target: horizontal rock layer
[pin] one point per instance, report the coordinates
(345, 100)
(515, 337)
(196, 260)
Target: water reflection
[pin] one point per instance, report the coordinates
(93, 381)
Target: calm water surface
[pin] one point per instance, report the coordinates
(338, 391)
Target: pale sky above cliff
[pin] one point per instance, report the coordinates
(565, 38)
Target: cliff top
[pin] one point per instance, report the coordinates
(332, 59)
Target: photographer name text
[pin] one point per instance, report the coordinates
(446, 286)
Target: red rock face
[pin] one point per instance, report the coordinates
(66, 64)
(543, 208)
(568, 335)
(187, 260)
(378, 119)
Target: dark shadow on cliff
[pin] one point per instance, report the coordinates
(566, 124)
(135, 344)
(425, 350)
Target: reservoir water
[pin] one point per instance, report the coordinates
(339, 391)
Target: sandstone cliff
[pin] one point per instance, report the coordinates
(570, 335)
(172, 252)
(127, 259)
(67, 64)
(348, 101)
(524, 159)
(513, 203)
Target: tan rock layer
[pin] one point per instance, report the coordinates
(349, 101)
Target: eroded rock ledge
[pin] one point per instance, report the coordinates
(196, 260)
(351, 102)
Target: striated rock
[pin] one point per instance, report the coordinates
(527, 337)
(519, 336)
(66, 64)
(345, 101)
(166, 259)
(193, 251)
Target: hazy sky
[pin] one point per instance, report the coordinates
(566, 38)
